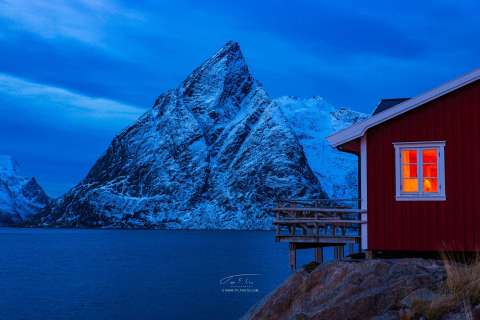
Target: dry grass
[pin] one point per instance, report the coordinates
(460, 291)
(463, 281)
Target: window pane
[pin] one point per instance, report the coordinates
(409, 156)
(430, 170)
(430, 156)
(409, 171)
(430, 185)
(410, 185)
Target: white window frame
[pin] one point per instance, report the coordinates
(420, 195)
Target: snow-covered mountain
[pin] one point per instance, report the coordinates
(214, 152)
(312, 120)
(20, 197)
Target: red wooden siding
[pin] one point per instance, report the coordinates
(351, 146)
(453, 224)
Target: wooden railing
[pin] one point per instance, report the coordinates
(327, 221)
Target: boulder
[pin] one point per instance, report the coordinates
(366, 289)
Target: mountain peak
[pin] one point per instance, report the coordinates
(231, 46)
(215, 91)
(228, 62)
(231, 50)
(20, 196)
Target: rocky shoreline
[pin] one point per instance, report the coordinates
(377, 289)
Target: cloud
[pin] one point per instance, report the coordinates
(83, 20)
(62, 102)
(55, 134)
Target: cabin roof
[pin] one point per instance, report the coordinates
(385, 104)
(357, 130)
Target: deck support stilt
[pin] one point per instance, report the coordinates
(351, 248)
(318, 254)
(369, 254)
(319, 224)
(338, 252)
(292, 250)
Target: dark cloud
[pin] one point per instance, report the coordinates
(79, 67)
(327, 29)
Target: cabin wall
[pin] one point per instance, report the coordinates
(453, 224)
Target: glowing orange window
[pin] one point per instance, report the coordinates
(420, 171)
(430, 170)
(409, 171)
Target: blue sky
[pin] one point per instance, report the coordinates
(74, 73)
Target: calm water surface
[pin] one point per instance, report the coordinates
(134, 274)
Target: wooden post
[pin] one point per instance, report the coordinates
(318, 254)
(369, 254)
(338, 252)
(278, 211)
(304, 230)
(351, 248)
(292, 250)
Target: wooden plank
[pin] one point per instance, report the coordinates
(322, 220)
(318, 254)
(316, 199)
(307, 245)
(351, 249)
(339, 252)
(317, 221)
(292, 249)
(475, 173)
(332, 210)
(316, 202)
(324, 240)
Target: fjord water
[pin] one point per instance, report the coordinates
(134, 274)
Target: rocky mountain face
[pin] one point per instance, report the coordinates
(20, 197)
(213, 153)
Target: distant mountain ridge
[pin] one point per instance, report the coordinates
(214, 152)
(20, 197)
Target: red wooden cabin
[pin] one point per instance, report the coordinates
(420, 170)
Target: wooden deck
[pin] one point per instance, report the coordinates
(317, 224)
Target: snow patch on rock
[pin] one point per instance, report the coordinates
(313, 120)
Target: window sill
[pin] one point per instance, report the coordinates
(420, 198)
